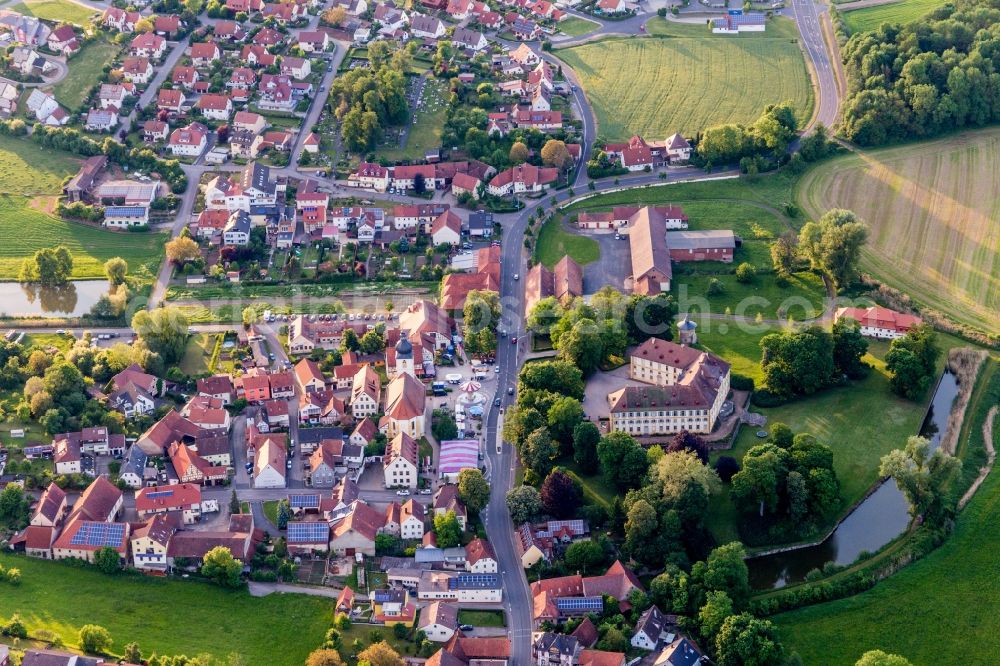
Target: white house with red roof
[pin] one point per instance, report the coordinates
(879, 322)
(189, 141)
(148, 45)
(522, 178)
(216, 107)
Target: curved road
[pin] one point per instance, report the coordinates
(809, 16)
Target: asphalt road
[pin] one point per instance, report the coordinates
(807, 15)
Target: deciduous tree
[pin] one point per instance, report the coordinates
(473, 489)
(561, 494)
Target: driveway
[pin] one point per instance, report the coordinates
(595, 399)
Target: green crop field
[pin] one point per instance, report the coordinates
(955, 588)
(933, 209)
(85, 69)
(686, 79)
(62, 11)
(865, 19)
(29, 177)
(61, 598)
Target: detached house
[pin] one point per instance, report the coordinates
(216, 107)
(469, 39)
(366, 390)
(400, 463)
(203, 54)
(148, 45)
(170, 100)
(189, 141)
(137, 70)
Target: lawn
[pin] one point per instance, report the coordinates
(61, 11)
(27, 169)
(85, 69)
(425, 133)
(948, 597)
(686, 79)
(866, 19)
(595, 489)
(934, 232)
(146, 610)
(802, 299)
(197, 354)
(482, 618)
(861, 422)
(271, 511)
(575, 26)
(554, 243)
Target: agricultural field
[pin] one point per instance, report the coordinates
(426, 124)
(710, 80)
(554, 243)
(954, 587)
(56, 10)
(932, 210)
(865, 19)
(85, 70)
(30, 178)
(144, 610)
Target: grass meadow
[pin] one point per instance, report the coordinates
(685, 79)
(164, 615)
(933, 216)
(936, 610)
(30, 178)
(63, 11)
(85, 68)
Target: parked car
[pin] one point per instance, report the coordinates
(403, 493)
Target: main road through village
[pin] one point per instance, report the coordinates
(500, 457)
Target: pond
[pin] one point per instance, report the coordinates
(879, 519)
(31, 300)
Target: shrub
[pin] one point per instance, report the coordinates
(745, 273)
(715, 288)
(764, 398)
(741, 382)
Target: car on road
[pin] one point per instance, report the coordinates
(288, 464)
(403, 493)
(517, 276)
(510, 390)
(426, 491)
(465, 627)
(497, 369)
(513, 340)
(496, 402)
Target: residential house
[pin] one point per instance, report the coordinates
(150, 542)
(170, 100)
(564, 282)
(400, 464)
(312, 41)
(220, 387)
(180, 499)
(446, 499)
(439, 621)
(521, 179)
(192, 468)
(148, 45)
(296, 68)
(480, 558)
(466, 38)
(879, 322)
(366, 391)
(203, 54)
(189, 141)
(426, 27)
(653, 630)
(250, 121)
(269, 465)
(411, 520)
(447, 229)
(137, 70)
(216, 107)
(46, 109)
(309, 377)
(356, 531)
(135, 470)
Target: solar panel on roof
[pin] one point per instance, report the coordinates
(580, 603)
(304, 501)
(160, 493)
(312, 532)
(98, 534)
(37, 450)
